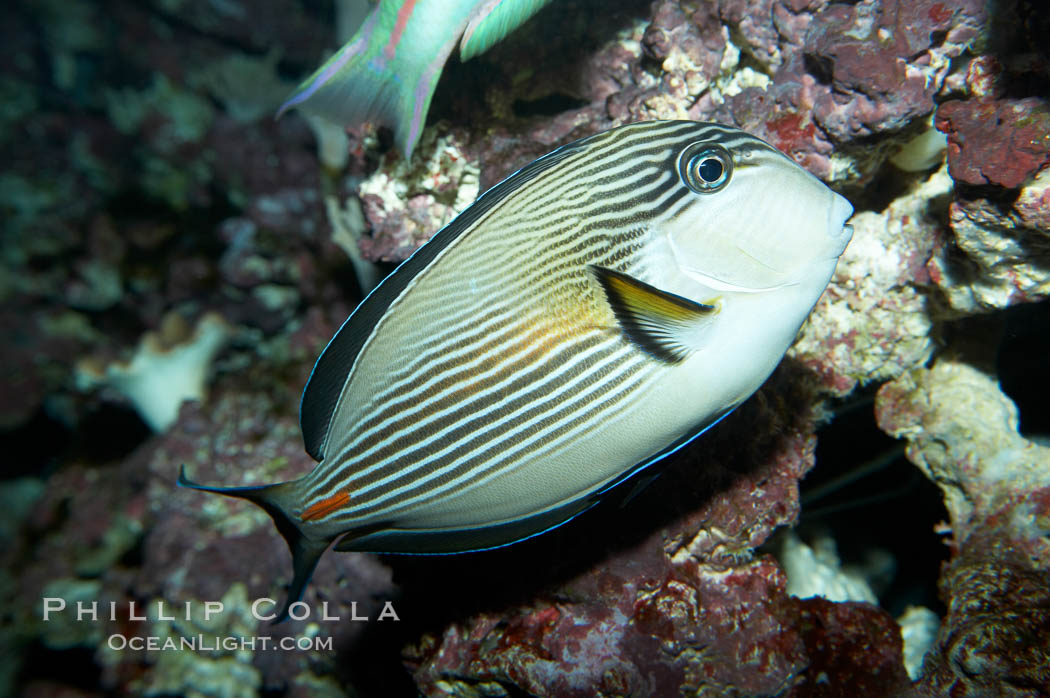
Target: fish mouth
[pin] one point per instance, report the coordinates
(839, 230)
(847, 231)
(845, 236)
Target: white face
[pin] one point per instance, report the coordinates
(759, 221)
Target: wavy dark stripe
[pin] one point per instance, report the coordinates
(449, 361)
(481, 376)
(488, 461)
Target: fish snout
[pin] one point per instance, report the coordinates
(838, 231)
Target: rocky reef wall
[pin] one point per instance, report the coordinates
(173, 260)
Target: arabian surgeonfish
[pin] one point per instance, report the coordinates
(388, 70)
(582, 319)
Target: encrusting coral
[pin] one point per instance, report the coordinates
(169, 367)
(962, 432)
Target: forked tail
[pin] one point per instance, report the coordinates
(379, 78)
(277, 500)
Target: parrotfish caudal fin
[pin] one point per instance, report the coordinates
(380, 77)
(274, 500)
(493, 20)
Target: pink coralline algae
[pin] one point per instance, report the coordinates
(407, 202)
(90, 520)
(999, 151)
(1000, 142)
(856, 646)
(884, 55)
(688, 42)
(998, 254)
(647, 634)
(996, 639)
(687, 608)
(852, 71)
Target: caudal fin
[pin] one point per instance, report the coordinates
(379, 77)
(276, 501)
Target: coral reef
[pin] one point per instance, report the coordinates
(688, 607)
(999, 256)
(168, 368)
(962, 432)
(995, 146)
(817, 571)
(874, 322)
(145, 180)
(89, 522)
(852, 71)
(407, 202)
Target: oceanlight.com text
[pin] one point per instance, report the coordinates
(216, 643)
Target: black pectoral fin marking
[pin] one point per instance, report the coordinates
(664, 325)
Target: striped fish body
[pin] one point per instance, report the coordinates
(585, 317)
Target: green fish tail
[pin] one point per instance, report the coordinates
(276, 500)
(387, 73)
(494, 21)
(379, 76)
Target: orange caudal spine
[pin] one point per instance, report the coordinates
(325, 507)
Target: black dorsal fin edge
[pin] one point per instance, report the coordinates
(333, 366)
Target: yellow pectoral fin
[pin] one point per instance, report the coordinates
(664, 325)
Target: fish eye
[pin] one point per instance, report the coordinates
(705, 167)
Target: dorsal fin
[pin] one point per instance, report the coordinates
(664, 325)
(333, 366)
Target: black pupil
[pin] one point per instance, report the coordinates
(710, 170)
